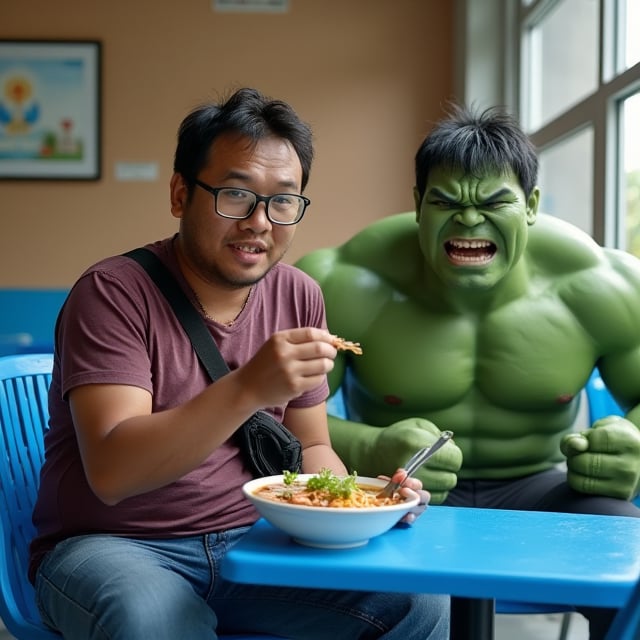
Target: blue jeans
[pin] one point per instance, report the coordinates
(104, 587)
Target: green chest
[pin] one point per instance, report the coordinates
(515, 359)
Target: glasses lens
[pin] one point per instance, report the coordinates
(235, 203)
(285, 208)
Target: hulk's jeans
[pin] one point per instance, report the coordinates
(103, 587)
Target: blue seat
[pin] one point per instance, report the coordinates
(24, 416)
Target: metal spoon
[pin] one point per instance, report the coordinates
(415, 462)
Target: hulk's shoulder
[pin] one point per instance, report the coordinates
(557, 246)
(596, 282)
(383, 247)
(396, 229)
(560, 246)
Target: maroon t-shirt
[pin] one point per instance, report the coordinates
(117, 328)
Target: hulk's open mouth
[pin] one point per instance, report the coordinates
(470, 252)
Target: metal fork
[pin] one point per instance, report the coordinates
(415, 462)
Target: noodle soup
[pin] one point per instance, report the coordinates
(362, 496)
(341, 521)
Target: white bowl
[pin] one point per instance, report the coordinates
(327, 527)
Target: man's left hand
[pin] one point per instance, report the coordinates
(411, 487)
(604, 460)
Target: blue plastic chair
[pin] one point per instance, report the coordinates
(600, 401)
(28, 318)
(24, 384)
(24, 416)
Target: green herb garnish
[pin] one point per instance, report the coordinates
(289, 476)
(332, 484)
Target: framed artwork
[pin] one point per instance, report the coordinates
(49, 110)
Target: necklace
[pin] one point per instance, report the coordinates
(229, 323)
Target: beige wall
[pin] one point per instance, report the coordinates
(368, 75)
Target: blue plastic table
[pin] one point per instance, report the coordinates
(480, 554)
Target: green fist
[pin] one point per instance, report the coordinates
(396, 443)
(604, 460)
(372, 451)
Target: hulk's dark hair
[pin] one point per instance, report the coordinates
(248, 113)
(477, 143)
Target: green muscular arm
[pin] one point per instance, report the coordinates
(371, 451)
(605, 460)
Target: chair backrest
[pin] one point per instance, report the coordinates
(28, 319)
(601, 402)
(24, 417)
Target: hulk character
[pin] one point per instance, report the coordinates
(479, 315)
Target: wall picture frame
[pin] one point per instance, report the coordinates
(50, 125)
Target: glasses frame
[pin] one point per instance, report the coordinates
(266, 199)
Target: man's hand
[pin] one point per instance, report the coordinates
(289, 363)
(604, 460)
(396, 443)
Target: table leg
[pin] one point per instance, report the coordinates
(472, 619)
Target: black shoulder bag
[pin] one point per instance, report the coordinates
(269, 447)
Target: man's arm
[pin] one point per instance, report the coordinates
(310, 426)
(128, 450)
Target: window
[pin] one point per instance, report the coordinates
(630, 190)
(569, 162)
(577, 87)
(630, 19)
(561, 49)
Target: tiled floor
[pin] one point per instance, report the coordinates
(516, 627)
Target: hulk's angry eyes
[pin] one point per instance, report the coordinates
(470, 252)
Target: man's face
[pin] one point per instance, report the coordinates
(473, 230)
(236, 253)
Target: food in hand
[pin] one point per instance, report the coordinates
(346, 345)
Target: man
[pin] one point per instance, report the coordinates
(140, 492)
(480, 316)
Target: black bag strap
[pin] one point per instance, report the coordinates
(191, 321)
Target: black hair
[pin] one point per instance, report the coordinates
(477, 142)
(248, 113)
